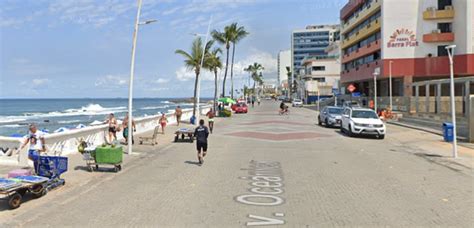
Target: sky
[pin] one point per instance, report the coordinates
(82, 48)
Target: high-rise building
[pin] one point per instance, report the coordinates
(284, 60)
(405, 39)
(311, 41)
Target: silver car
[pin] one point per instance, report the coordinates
(330, 116)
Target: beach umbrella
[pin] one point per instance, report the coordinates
(226, 100)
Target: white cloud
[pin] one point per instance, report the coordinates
(162, 81)
(268, 61)
(26, 67)
(184, 74)
(111, 81)
(39, 81)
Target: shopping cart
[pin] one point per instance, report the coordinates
(52, 167)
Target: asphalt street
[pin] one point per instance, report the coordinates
(267, 169)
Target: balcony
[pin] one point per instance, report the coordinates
(433, 13)
(368, 30)
(363, 51)
(361, 16)
(350, 7)
(360, 73)
(438, 37)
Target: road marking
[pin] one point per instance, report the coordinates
(266, 181)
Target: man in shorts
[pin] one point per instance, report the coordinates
(201, 133)
(37, 144)
(178, 112)
(210, 115)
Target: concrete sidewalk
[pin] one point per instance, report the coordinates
(264, 168)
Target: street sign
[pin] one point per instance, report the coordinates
(356, 94)
(351, 88)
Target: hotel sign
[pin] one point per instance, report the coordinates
(402, 38)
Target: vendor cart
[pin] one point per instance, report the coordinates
(49, 170)
(184, 134)
(14, 189)
(104, 155)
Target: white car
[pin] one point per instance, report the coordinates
(297, 103)
(362, 121)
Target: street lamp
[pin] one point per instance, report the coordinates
(450, 50)
(132, 71)
(375, 91)
(198, 92)
(390, 83)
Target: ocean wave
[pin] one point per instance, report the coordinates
(89, 110)
(11, 125)
(11, 119)
(155, 107)
(167, 102)
(68, 121)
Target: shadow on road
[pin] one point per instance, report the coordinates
(192, 163)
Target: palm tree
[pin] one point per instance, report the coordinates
(224, 38)
(238, 33)
(213, 65)
(256, 74)
(193, 62)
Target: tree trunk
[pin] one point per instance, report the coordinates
(195, 93)
(225, 72)
(215, 90)
(232, 72)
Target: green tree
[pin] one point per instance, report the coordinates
(192, 61)
(238, 33)
(213, 65)
(224, 38)
(256, 74)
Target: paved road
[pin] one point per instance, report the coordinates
(263, 168)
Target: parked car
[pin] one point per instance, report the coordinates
(241, 108)
(362, 121)
(351, 104)
(330, 116)
(297, 103)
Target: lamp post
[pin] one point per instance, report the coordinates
(132, 71)
(375, 91)
(390, 83)
(198, 92)
(450, 50)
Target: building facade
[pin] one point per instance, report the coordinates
(309, 42)
(321, 77)
(405, 39)
(283, 61)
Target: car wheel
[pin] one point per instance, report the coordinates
(342, 129)
(326, 123)
(381, 137)
(319, 121)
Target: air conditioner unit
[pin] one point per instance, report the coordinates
(448, 7)
(436, 31)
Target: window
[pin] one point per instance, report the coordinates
(445, 27)
(319, 68)
(443, 3)
(442, 50)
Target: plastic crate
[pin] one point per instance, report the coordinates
(108, 155)
(52, 166)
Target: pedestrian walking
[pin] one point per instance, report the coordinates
(178, 112)
(210, 115)
(201, 133)
(253, 102)
(37, 144)
(125, 129)
(258, 101)
(163, 121)
(113, 127)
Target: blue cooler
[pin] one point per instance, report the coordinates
(448, 134)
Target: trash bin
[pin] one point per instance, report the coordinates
(448, 132)
(193, 120)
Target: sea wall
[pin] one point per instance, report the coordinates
(65, 143)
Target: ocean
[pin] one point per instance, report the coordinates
(53, 114)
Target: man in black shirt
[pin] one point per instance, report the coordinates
(201, 133)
